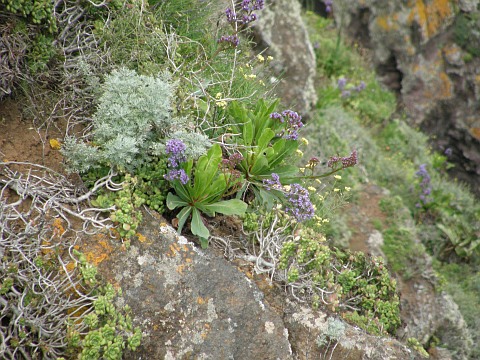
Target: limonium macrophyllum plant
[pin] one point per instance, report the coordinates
(200, 187)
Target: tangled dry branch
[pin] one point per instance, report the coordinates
(41, 290)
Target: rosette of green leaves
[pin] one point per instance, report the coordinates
(264, 150)
(203, 193)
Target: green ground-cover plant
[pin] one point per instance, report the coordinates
(36, 11)
(357, 286)
(110, 331)
(53, 302)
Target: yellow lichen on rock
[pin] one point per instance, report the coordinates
(97, 250)
(430, 15)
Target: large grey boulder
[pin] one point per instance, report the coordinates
(193, 304)
(281, 31)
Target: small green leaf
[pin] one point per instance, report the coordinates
(228, 207)
(264, 140)
(197, 226)
(182, 217)
(203, 243)
(173, 201)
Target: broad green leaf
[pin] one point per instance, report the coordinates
(182, 217)
(237, 112)
(264, 140)
(206, 170)
(173, 201)
(197, 226)
(228, 207)
(260, 165)
(248, 133)
(282, 149)
(216, 190)
(183, 191)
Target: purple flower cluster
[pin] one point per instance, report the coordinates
(177, 175)
(232, 39)
(346, 161)
(342, 86)
(292, 121)
(274, 183)
(175, 148)
(328, 5)
(242, 14)
(424, 185)
(243, 11)
(302, 208)
(297, 197)
(233, 160)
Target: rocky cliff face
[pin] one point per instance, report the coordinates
(415, 54)
(193, 304)
(281, 32)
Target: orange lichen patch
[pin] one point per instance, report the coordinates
(97, 250)
(430, 16)
(388, 23)
(446, 86)
(46, 247)
(477, 78)
(475, 132)
(71, 266)
(201, 301)
(180, 269)
(58, 229)
(450, 50)
(141, 238)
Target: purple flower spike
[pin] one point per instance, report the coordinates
(177, 175)
(175, 149)
(342, 82)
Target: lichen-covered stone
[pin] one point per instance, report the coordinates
(314, 337)
(190, 304)
(281, 31)
(415, 54)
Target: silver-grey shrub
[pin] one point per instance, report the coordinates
(131, 123)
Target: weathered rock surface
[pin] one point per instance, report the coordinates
(425, 311)
(281, 31)
(192, 304)
(314, 335)
(414, 53)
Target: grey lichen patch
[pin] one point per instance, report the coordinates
(138, 280)
(269, 327)
(145, 259)
(306, 317)
(211, 312)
